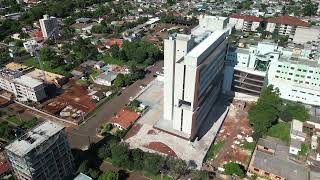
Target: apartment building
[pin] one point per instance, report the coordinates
(245, 22)
(285, 25)
(193, 73)
(49, 26)
(22, 86)
(42, 153)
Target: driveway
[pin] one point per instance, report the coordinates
(80, 137)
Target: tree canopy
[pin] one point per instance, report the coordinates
(233, 168)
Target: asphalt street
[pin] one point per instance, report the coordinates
(80, 137)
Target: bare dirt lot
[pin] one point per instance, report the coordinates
(233, 136)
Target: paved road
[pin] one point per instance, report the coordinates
(81, 137)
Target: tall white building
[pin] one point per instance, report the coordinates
(49, 26)
(42, 153)
(193, 73)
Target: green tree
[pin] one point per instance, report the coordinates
(104, 152)
(266, 111)
(109, 175)
(120, 155)
(297, 111)
(114, 51)
(310, 9)
(153, 163)
(177, 167)
(137, 159)
(233, 168)
(84, 167)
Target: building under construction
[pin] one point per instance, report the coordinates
(42, 153)
(247, 82)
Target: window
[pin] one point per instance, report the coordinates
(292, 68)
(310, 71)
(289, 79)
(304, 70)
(309, 77)
(278, 71)
(266, 173)
(279, 65)
(277, 76)
(255, 169)
(265, 148)
(290, 73)
(299, 69)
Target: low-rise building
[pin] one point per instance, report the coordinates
(124, 118)
(285, 25)
(22, 86)
(105, 78)
(245, 22)
(271, 160)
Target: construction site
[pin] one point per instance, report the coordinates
(233, 142)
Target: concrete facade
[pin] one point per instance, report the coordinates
(42, 153)
(22, 86)
(193, 73)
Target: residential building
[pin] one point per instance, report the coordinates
(105, 78)
(49, 27)
(124, 118)
(22, 86)
(30, 46)
(42, 153)
(285, 25)
(306, 35)
(245, 22)
(193, 73)
(271, 160)
(297, 137)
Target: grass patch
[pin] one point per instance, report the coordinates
(280, 131)
(304, 150)
(248, 146)
(83, 82)
(59, 70)
(214, 149)
(15, 120)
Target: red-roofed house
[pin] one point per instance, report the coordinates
(4, 166)
(245, 22)
(124, 118)
(113, 41)
(286, 25)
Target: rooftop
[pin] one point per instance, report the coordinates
(205, 44)
(82, 176)
(289, 20)
(34, 138)
(125, 118)
(299, 60)
(108, 76)
(279, 163)
(246, 17)
(28, 81)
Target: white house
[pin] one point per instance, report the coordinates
(106, 78)
(285, 25)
